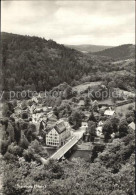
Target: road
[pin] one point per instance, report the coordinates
(76, 137)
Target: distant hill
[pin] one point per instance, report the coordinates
(88, 48)
(121, 52)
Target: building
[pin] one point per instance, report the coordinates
(109, 112)
(99, 130)
(132, 126)
(86, 116)
(37, 117)
(57, 135)
(35, 99)
(84, 125)
(17, 110)
(44, 109)
(81, 103)
(51, 117)
(31, 108)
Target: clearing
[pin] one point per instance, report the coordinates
(124, 109)
(84, 86)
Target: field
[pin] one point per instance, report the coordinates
(125, 62)
(124, 109)
(106, 101)
(84, 86)
(125, 94)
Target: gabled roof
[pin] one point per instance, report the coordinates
(132, 125)
(60, 127)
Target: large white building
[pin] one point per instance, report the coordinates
(58, 134)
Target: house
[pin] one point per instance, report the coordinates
(81, 103)
(109, 112)
(37, 117)
(35, 99)
(86, 116)
(44, 109)
(84, 125)
(38, 109)
(51, 117)
(31, 108)
(103, 108)
(57, 135)
(132, 126)
(17, 110)
(100, 123)
(49, 108)
(99, 129)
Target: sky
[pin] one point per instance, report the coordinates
(72, 22)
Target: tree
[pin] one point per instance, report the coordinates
(5, 110)
(17, 133)
(87, 101)
(130, 119)
(92, 117)
(68, 92)
(4, 146)
(107, 130)
(22, 82)
(14, 103)
(23, 141)
(11, 132)
(11, 83)
(24, 115)
(24, 104)
(115, 122)
(92, 130)
(40, 86)
(130, 107)
(75, 119)
(95, 105)
(123, 128)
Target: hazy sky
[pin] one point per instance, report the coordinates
(72, 22)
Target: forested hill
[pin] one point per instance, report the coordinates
(37, 64)
(121, 52)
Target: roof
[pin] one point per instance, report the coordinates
(96, 114)
(109, 112)
(81, 103)
(99, 128)
(17, 107)
(60, 127)
(132, 125)
(103, 108)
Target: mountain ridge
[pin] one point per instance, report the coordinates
(86, 48)
(125, 51)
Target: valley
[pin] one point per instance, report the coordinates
(81, 112)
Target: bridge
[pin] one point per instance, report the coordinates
(64, 149)
(77, 135)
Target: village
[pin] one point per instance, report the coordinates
(57, 135)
